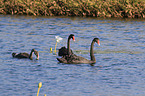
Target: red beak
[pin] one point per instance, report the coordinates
(98, 42)
(73, 38)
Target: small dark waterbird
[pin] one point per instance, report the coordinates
(26, 55)
(74, 59)
(63, 51)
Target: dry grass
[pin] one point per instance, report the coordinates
(90, 8)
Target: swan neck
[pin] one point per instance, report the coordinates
(68, 45)
(30, 56)
(92, 52)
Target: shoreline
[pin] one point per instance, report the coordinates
(75, 8)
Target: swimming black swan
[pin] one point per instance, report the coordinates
(74, 59)
(26, 55)
(63, 51)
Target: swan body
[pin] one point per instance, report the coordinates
(26, 55)
(63, 51)
(74, 59)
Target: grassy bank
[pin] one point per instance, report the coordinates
(90, 8)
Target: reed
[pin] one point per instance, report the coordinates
(87, 8)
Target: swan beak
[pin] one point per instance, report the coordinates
(37, 55)
(98, 42)
(37, 58)
(73, 38)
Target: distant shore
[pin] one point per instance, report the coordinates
(82, 8)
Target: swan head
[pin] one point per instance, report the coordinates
(37, 54)
(72, 36)
(97, 41)
(13, 54)
(33, 50)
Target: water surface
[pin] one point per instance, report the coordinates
(119, 70)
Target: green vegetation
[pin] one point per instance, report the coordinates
(88, 8)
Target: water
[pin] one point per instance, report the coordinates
(119, 70)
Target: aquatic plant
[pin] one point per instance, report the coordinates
(50, 50)
(57, 40)
(39, 86)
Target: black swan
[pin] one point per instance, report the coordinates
(74, 59)
(26, 55)
(63, 51)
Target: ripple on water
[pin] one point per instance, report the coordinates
(120, 58)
